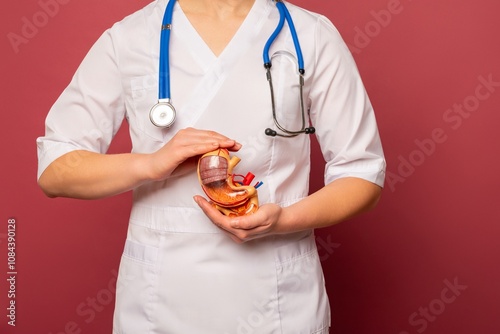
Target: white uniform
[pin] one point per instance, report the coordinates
(179, 273)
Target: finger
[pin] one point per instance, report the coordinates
(212, 213)
(218, 219)
(235, 147)
(248, 222)
(220, 140)
(247, 235)
(196, 142)
(209, 136)
(238, 231)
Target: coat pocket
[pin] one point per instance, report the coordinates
(136, 289)
(302, 298)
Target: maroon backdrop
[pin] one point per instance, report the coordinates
(426, 260)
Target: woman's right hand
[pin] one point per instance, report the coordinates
(184, 147)
(91, 175)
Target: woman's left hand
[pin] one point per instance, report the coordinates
(263, 222)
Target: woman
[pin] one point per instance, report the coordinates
(186, 268)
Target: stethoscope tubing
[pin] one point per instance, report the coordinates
(284, 15)
(164, 80)
(163, 113)
(272, 38)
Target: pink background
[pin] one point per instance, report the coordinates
(426, 260)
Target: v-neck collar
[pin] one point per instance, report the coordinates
(215, 69)
(251, 25)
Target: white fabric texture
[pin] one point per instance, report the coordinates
(179, 273)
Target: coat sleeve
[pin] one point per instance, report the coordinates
(341, 111)
(90, 110)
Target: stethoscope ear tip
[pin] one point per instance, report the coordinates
(310, 130)
(270, 132)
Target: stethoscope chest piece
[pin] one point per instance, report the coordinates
(162, 114)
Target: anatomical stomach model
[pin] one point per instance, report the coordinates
(232, 198)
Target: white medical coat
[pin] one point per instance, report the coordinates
(179, 273)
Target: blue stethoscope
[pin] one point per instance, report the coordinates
(163, 113)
